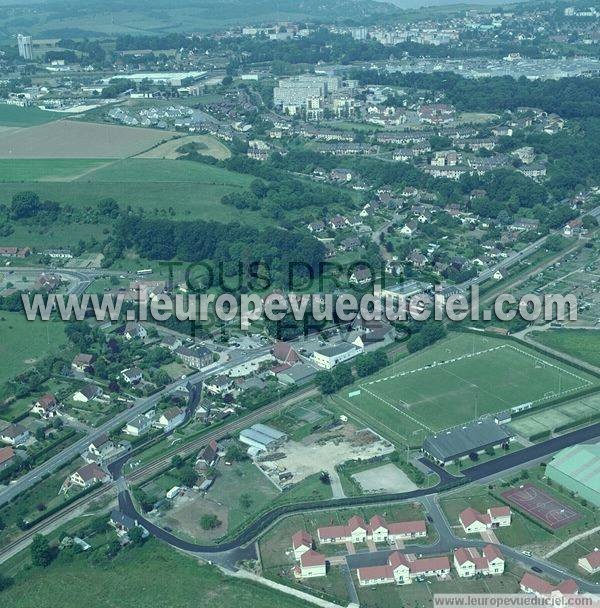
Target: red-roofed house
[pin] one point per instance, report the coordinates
(85, 477)
(468, 561)
(590, 562)
(46, 406)
(311, 564)
(377, 530)
(301, 542)
(7, 457)
(285, 354)
(403, 570)
(530, 583)
(473, 521)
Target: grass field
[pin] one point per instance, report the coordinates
(207, 145)
(581, 343)
(569, 555)
(23, 342)
(151, 575)
(57, 169)
(192, 190)
(458, 379)
(13, 116)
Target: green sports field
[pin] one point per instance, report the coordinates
(458, 379)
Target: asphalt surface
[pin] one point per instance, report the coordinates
(240, 547)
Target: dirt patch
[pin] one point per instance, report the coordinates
(185, 516)
(209, 146)
(387, 478)
(71, 139)
(323, 451)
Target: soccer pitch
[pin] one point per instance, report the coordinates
(458, 379)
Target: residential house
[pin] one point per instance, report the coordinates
(473, 521)
(209, 456)
(360, 276)
(82, 362)
(337, 222)
(87, 393)
(133, 375)
(197, 358)
(573, 228)
(403, 569)
(101, 447)
(14, 434)
(86, 476)
(123, 524)
(301, 543)
(171, 342)
(171, 418)
(316, 227)
(409, 229)
(469, 562)
(7, 457)
(218, 385)
(312, 564)
(530, 583)
(46, 406)
(139, 425)
(590, 562)
(135, 331)
(377, 530)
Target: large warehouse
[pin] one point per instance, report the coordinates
(578, 469)
(461, 441)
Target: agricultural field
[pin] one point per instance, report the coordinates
(72, 139)
(54, 170)
(580, 343)
(23, 342)
(206, 145)
(14, 116)
(458, 379)
(188, 189)
(151, 575)
(568, 415)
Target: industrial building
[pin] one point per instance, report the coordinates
(461, 441)
(262, 438)
(577, 469)
(25, 46)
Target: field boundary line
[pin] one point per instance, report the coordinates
(400, 411)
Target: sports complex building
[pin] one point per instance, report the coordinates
(577, 469)
(461, 441)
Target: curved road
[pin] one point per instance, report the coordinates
(240, 547)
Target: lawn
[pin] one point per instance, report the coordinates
(569, 555)
(458, 379)
(151, 575)
(53, 169)
(583, 344)
(23, 342)
(14, 116)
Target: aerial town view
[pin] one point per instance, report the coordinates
(299, 303)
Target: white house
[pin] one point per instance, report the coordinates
(170, 418)
(473, 521)
(469, 562)
(101, 448)
(87, 393)
(86, 476)
(139, 425)
(590, 562)
(14, 434)
(377, 530)
(134, 330)
(301, 543)
(312, 564)
(46, 406)
(133, 375)
(403, 569)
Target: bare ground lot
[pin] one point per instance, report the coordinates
(70, 139)
(210, 146)
(323, 451)
(387, 478)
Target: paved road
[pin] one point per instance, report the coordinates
(229, 552)
(139, 407)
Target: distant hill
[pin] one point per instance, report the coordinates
(74, 18)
